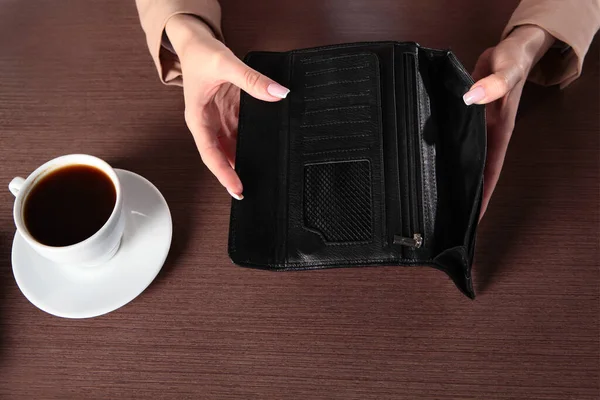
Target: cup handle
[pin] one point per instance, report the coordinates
(15, 185)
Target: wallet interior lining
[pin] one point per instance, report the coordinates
(344, 131)
(344, 113)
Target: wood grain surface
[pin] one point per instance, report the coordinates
(76, 77)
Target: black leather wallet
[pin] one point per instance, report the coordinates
(372, 159)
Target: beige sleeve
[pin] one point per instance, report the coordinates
(573, 22)
(153, 17)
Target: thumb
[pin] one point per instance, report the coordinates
(493, 86)
(253, 82)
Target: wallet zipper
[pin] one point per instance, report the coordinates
(414, 183)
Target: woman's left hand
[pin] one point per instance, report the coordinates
(500, 75)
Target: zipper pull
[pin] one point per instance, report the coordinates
(416, 241)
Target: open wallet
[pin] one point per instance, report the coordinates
(372, 159)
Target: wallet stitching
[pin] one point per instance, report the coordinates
(346, 46)
(335, 109)
(313, 139)
(424, 174)
(432, 181)
(359, 45)
(379, 136)
(330, 70)
(336, 159)
(362, 121)
(348, 243)
(336, 83)
(287, 164)
(337, 151)
(307, 61)
(340, 96)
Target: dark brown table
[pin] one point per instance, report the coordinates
(76, 77)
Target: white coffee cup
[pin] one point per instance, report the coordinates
(93, 251)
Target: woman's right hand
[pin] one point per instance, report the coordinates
(212, 78)
(500, 73)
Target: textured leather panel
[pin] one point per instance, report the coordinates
(372, 150)
(259, 220)
(337, 201)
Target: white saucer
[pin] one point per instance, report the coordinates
(72, 292)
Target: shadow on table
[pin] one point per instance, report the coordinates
(504, 233)
(171, 162)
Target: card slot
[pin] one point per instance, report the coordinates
(336, 151)
(334, 69)
(312, 150)
(311, 108)
(325, 129)
(332, 134)
(338, 82)
(338, 96)
(308, 61)
(339, 87)
(355, 114)
(332, 123)
(335, 109)
(341, 78)
(337, 137)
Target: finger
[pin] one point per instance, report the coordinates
(491, 176)
(217, 163)
(498, 140)
(253, 82)
(227, 103)
(213, 156)
(493, 86)
(229, 146)
(488, 189)
(482, 66)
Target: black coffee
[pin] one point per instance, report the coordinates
(69, 205)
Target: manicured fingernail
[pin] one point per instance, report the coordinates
(474, 95)
(235, 195)
(276, 90)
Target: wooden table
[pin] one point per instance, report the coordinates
(76, 77)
